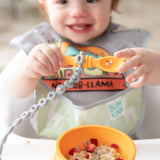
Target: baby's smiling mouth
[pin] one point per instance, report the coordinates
(80, 28)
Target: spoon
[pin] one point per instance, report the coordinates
(107, 63)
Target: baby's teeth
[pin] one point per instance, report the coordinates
(78, 28)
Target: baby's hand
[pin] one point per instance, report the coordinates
(43, 60)
(142, 60)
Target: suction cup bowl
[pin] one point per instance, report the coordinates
(104, 135)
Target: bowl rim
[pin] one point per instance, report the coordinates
(98, 126)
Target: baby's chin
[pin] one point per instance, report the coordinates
(83, 38)
(80, 40)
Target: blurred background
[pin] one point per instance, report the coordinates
(18, 16)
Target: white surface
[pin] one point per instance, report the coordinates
(18, 148)
(150, 127)
(148, 149)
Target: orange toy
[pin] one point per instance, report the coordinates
(108, 63)
(93, 49)
(104, 135)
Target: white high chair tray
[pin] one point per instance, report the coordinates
(20, 148)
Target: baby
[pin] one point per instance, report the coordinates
(99, 97)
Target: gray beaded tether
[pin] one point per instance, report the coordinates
(60, 89)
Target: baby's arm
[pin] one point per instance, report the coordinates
(146, 64)
(23, 75)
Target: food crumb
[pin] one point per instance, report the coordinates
(27, 142)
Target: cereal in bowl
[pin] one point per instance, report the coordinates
(92, 151)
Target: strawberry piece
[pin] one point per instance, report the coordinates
(87, 156)
(71, 151)
(94, 141)
(90, 147)
(119, 159)
(114, 146)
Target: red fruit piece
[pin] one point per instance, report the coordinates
(87, 156)
(71, 151)
(90, 147)
(119, 159)
(114, 146)
(94, 141)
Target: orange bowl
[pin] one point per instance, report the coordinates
(104, 135)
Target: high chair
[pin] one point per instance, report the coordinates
(19, 147)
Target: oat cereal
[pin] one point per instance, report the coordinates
(93, 152)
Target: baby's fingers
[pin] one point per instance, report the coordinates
(137, 74)
(44, 63)
(40, 68)
(140, 82)
(130, 63)
(58, 54)
(125, 53)
(50, 53)
(34, 68)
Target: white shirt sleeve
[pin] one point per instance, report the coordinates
(12, 107)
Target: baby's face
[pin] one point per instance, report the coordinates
(79, 20)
